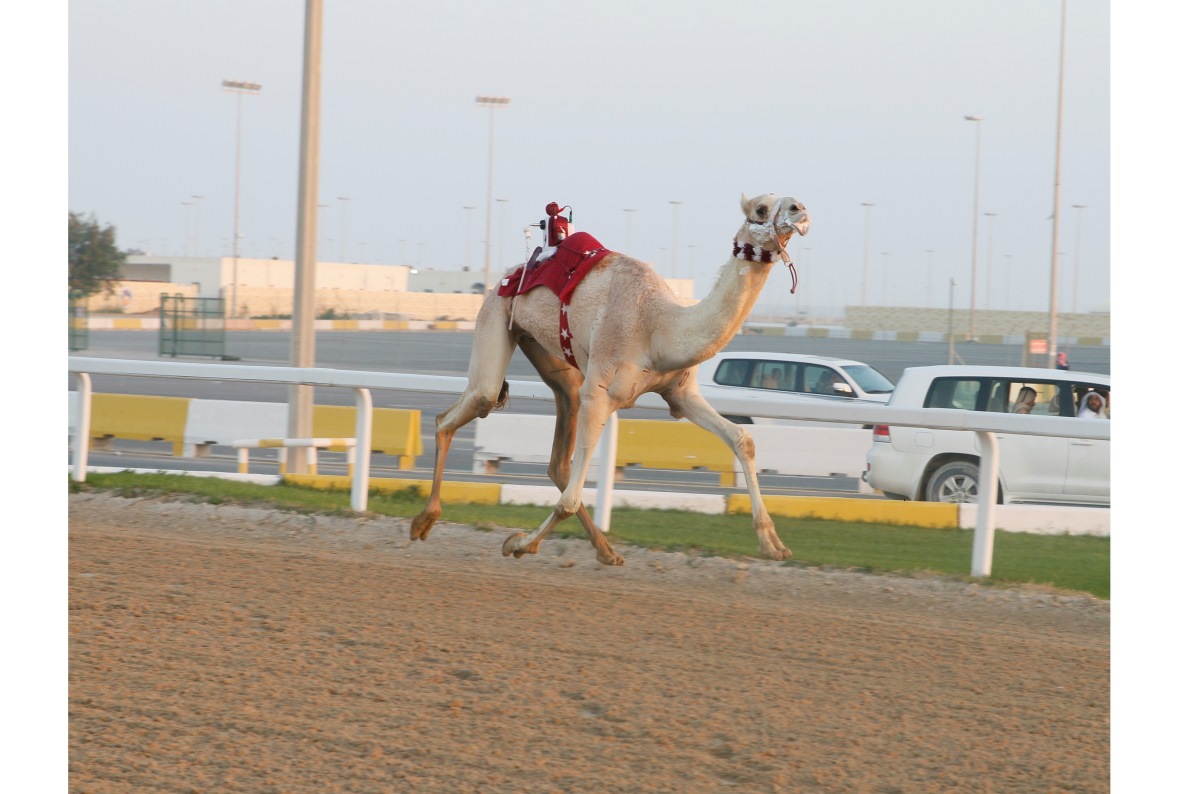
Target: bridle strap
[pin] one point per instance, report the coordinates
(750, 253)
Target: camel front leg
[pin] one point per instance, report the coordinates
(694, 407)
(591, 419)
(565, 381)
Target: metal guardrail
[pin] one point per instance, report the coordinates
(984, 424)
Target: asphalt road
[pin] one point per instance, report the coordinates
(448, 353)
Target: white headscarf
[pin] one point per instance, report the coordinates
(1087, 412)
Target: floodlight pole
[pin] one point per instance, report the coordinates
(973, 266)
(1053, 304)
(865, 250)
(197, 224)
(491, 102)
(300, 423)
(239, 88)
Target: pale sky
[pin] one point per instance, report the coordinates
(615, 105)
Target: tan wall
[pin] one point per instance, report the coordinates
(257, 302)
(137, 297)
(144, 297)
(988, 322)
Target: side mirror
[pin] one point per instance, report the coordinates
(843, 389)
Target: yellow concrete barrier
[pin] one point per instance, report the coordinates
(875, 511)
(394, 431)
(656, 444)
(139, 417)
(478, 493)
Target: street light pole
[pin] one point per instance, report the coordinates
(342, 228)
(301, 347)
(865, 250)
(491, 102)
(239, 88)
(502, 212)
(627, 249)
(952, 350)
(197, 224)
(319, 252)
(675, 206)
(1077, 255)
(469, 216)
(186, 227)
(990, 257)
(1053, 302)
(973, 267)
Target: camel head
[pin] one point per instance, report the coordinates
(771, 216)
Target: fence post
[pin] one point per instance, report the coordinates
(983, 547)
(608, 450)
(82, 428)
(362, 472)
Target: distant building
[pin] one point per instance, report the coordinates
(212, 275)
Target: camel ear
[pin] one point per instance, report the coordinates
(746, 204)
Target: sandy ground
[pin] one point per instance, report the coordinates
(226, 649)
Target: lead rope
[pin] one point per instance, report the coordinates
(787, 261)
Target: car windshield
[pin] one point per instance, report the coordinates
(869, 379)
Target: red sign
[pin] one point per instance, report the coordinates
(1038, 347)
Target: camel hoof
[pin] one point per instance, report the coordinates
(509, 545)
(780, 554)
(610, 559)
(419, 529)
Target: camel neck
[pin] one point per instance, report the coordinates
(698, 332)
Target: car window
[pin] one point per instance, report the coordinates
(954, 393)
(819, 379)
(1034, 398)
(733, 372)
(869, 379)
(772, 375)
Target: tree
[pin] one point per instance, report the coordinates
(95, 261)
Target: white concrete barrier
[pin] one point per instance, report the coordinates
(223, 421)
(779, 449)
(1042, 519)
(812, 451)
(546, 496)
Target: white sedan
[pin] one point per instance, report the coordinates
(792, 376)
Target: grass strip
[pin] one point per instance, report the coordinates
(1072, 563)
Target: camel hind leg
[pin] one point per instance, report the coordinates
(486, 391)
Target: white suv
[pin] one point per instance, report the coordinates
(794, 376)
(942, 465)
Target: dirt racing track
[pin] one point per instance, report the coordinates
(227, 649)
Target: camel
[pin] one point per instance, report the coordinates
(629, 335)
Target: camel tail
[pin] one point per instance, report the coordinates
(501, 401)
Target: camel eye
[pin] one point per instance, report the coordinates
(761, 212)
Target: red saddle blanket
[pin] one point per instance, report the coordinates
(562, 272)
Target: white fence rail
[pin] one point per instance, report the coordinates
(984, 424)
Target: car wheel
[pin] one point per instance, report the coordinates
(954, 482)
(740, 420)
